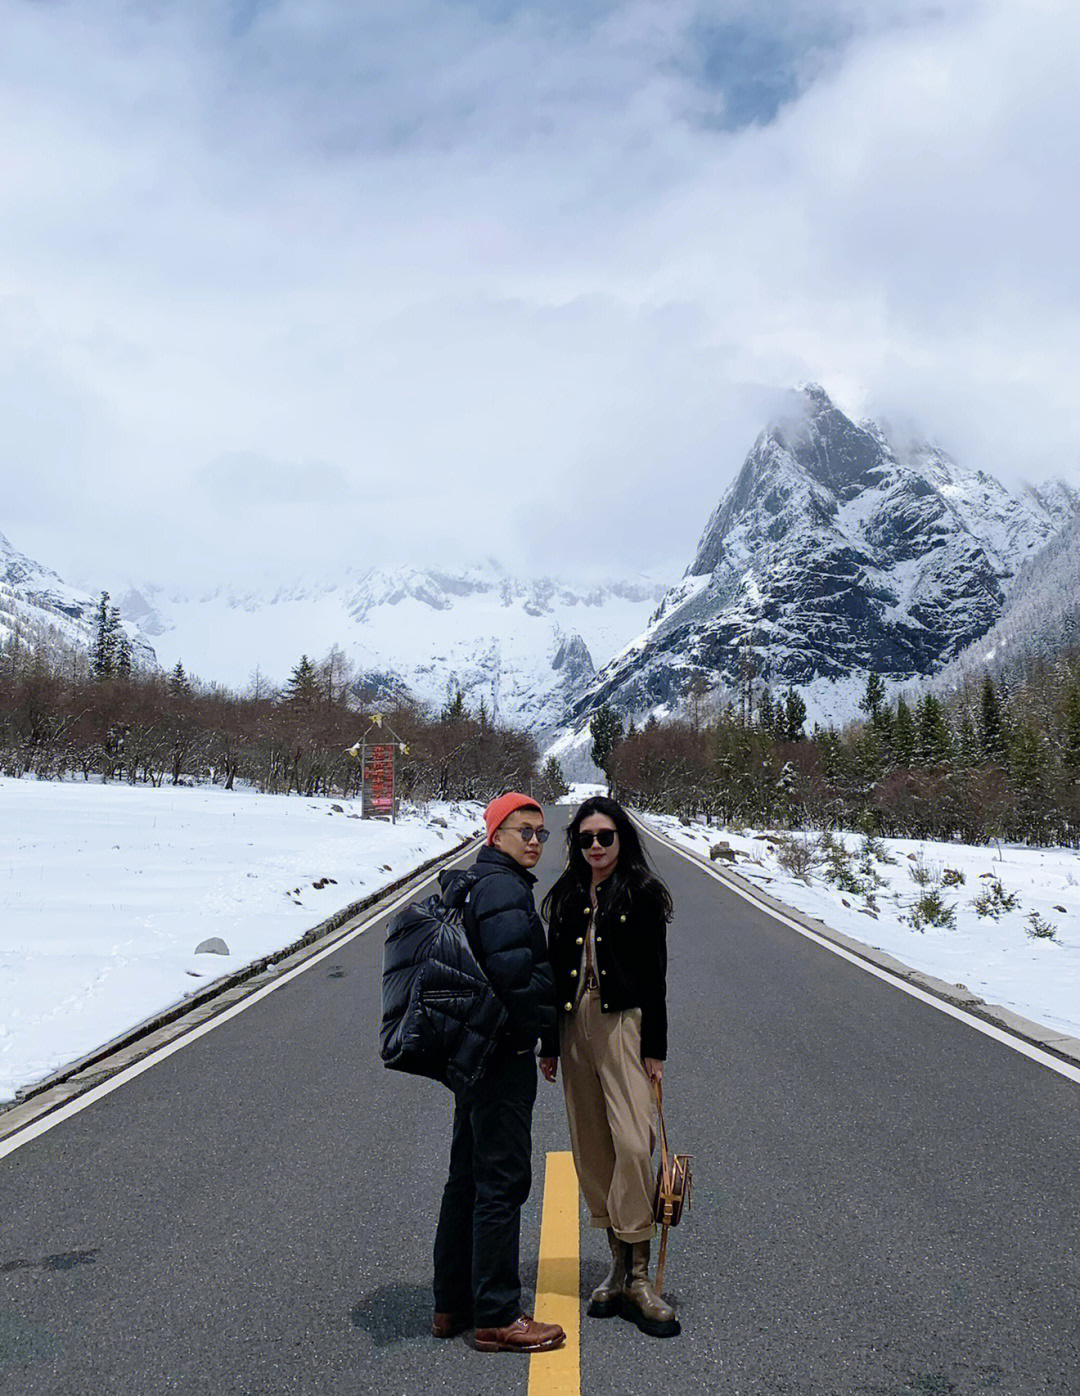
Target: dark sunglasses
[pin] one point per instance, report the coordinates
(528, 834)
(604, 837)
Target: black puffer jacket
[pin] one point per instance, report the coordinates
(440, 1016)
(507, 936)
(631, 959)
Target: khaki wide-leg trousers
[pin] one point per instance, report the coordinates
(609, 1106)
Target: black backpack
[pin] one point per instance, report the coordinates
(440, 1015)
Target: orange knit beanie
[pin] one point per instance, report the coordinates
(504, 806)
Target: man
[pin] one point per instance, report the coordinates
(476, 1244)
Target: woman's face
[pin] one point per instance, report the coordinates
(602, 860)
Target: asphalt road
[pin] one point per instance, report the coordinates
(885, 1199)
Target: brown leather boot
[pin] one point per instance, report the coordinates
(640, 1302)
(605, 1298)
(525, 1334)
(449, 1325)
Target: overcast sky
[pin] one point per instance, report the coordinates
(294, 285)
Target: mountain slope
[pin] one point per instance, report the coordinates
(523, 648)
(834, 552)
(40, 609)
(1041, 615)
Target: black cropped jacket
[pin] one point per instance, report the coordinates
(631, 961)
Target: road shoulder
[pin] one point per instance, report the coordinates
(77, 1078)
(1050, 1040)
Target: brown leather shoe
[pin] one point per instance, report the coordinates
(450, 1325)
(523, 1335)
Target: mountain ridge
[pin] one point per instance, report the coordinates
(834, 551)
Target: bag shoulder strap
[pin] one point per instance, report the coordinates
(663, 1131)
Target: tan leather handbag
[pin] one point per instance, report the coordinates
(673, 1183)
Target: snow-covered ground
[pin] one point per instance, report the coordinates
(106, 890)
(997, 959)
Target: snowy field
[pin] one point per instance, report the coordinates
(996, 957)
(106, 890)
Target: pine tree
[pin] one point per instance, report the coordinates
(873, 754)
(1027, 758)
(903, 735)
(794, 716)
(178, 680)
(102, 657)
(606, 730)
(933, 743)
(874, 697)
(123, 653)
(766, 717)
(969, 750)
(302, 690)
(1070, 753)
(119, 644)
(455, 708)
(991, 725)
(554, 781)
(832, 754)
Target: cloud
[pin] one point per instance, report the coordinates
(435, 279)
(241, 479)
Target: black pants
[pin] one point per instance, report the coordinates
(476, 1244)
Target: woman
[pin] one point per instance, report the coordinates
(607, 934)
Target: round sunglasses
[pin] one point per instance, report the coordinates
(604, 837)
(528, 833)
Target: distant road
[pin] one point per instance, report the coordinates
(885, 1199)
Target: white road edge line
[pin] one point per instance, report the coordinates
(36, 1128)
(1027, 1049)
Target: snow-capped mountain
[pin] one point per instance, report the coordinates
(836, 551)
(1041, 613)
(40, 609)
(524, 648)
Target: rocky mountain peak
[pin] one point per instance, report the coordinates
(834, 552)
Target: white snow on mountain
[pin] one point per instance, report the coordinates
(1041, 613)
(837, 550)
(38, 608)
(524, 648)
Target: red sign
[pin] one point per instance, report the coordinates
(379, 779)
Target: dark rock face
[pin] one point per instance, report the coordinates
(834, 552)
(573, 665)
(573, 660)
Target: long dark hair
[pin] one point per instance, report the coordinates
(632, 878)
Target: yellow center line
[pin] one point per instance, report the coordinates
(558, 1281)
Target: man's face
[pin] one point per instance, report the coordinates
(511, 836)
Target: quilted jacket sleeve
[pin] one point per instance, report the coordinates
(511, 946)
(653, 971)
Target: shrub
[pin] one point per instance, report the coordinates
(932, 910)
(872, 847)
(795, 855)
(1039, 929)
(870, 875)
(838, 869)
(993, 900)
(925, 874)
(952, 877)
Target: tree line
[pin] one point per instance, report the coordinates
(999, 757)
(996, 758)
(65, 714)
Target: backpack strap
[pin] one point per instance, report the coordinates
(471, 878)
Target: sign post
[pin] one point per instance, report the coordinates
(378, 772)
(379, 786)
